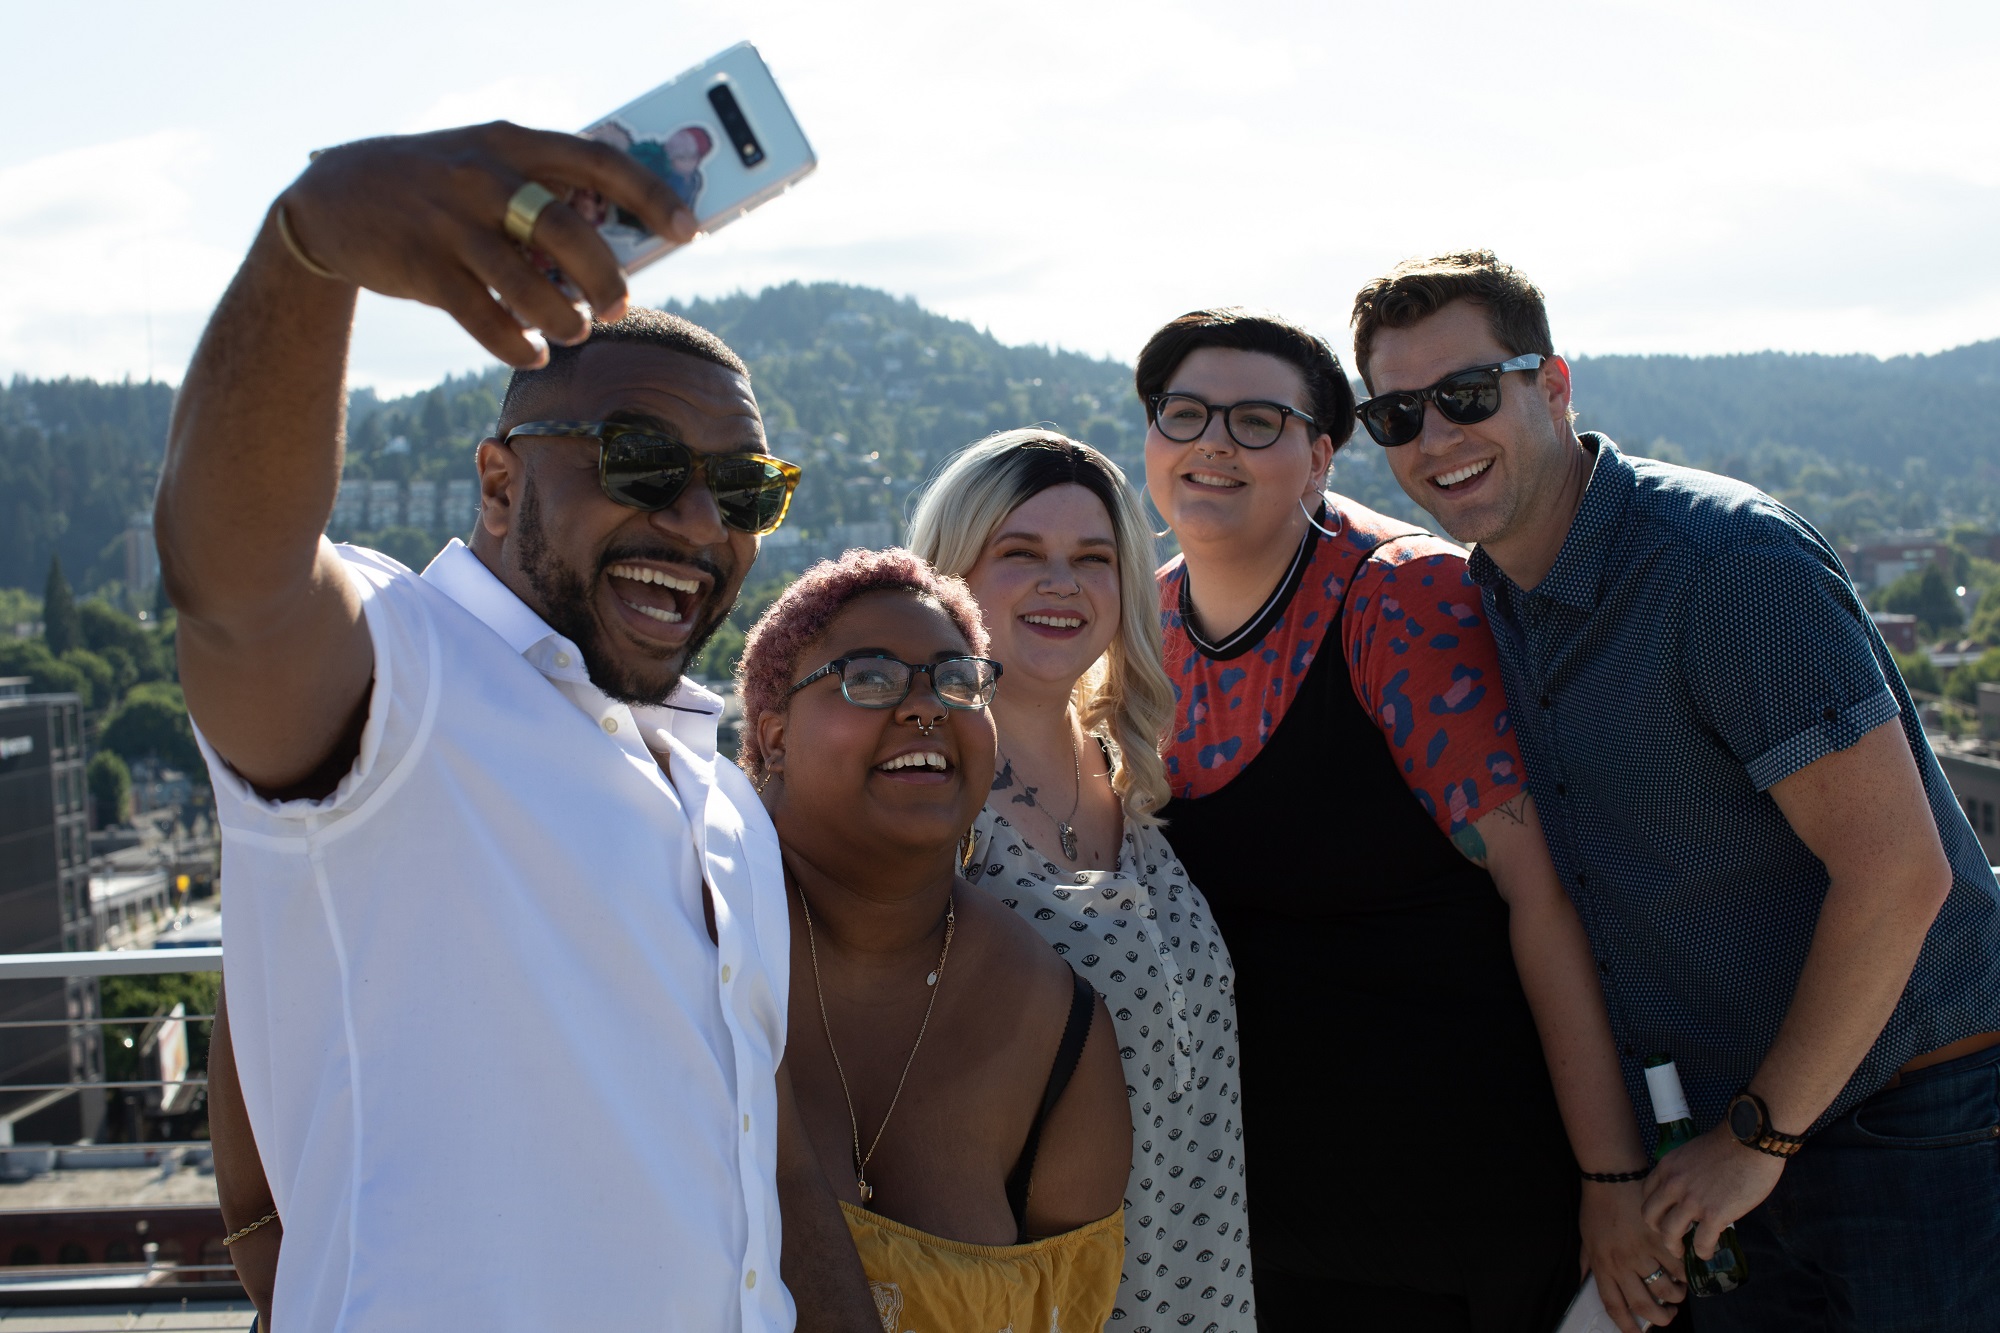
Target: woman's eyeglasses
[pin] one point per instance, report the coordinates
(1182, 418)
(881, 681)
(646, 470)
(1466, 397)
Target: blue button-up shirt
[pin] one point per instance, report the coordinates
(1695, 643)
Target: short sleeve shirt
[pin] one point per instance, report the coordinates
(492, 1055)
(1695, 643)
(1418, 654)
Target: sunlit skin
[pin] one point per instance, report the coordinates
(1236, 511)
(1519, 507)
(1055, 557)
(584, 533)
(874, 852)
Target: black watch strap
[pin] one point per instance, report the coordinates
(1763, 1137)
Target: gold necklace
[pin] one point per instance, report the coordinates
(862, 1159)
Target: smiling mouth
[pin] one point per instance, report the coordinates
(1052, 621)
(1447, 480)
(1212, 480)
(653, 593)
(920, 761)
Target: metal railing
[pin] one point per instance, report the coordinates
(131, 1280)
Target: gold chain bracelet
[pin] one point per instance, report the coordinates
(235, 1236)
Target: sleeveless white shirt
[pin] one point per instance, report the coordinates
(499, 1075)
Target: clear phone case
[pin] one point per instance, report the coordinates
(720, 136)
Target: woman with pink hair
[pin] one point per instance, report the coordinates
(960, 1085)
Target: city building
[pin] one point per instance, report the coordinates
(350, 505)
(1881, 561)
(461, 506)
(385, 504)
(45, 907)
(1898, 631)
(420, 505)
(142, 560)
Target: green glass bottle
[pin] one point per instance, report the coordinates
(1728, 1270)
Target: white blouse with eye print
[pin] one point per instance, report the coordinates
(1141, 934)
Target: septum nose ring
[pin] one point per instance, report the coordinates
(926, 728)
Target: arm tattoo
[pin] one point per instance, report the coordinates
(1471, 845)
(1516, 810)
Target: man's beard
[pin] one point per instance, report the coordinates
(565, 603)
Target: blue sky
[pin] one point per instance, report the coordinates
(1680, 177)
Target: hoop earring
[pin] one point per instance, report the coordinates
(1339, 525)
(968, 852)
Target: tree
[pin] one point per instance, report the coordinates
(153, 723)
(1920, 673)
(60, 627)
(1925, 595)
(110, 786)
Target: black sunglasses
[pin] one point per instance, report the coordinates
(1465, 397)
(1253, 424)
(881, 681)
(643, 469)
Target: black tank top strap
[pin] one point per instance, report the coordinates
(1082, 1009)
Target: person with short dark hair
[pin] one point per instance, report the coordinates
(1780, 889)
(1347, 795)
(479, 846)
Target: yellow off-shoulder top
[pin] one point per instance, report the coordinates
(927, 1284)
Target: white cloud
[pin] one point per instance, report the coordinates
(1680, 175)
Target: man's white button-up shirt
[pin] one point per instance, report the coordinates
(499, 1074)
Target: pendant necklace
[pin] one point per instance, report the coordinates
(1065, 831)
(862, 1159)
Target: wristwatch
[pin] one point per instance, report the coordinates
(1750, 1121)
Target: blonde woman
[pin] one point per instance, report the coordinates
(1049, 537)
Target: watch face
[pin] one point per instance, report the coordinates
(1744, 1120)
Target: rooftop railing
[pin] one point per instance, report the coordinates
(73, 1257)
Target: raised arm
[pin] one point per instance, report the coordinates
(1552, 955)
(274, 654)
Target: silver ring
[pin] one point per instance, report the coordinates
(1654, 1276)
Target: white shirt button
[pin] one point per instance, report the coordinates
(610, 724)
(750, 1279)
(562, 659)
(725, 974)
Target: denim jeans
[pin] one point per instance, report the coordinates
(1887, 1222)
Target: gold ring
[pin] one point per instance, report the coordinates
(524, 208)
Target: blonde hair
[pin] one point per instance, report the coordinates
(1125, 696)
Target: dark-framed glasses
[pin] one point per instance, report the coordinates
(1253, 424)
(881, 681)
(644, 469)
(1464, 397)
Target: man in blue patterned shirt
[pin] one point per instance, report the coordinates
(1781, 890)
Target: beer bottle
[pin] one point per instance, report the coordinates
(1728, 1270)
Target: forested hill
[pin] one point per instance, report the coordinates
(871, 392)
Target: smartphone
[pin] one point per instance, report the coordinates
(720, 136)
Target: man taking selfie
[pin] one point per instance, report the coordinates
(508, 947)
(1782, 892)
